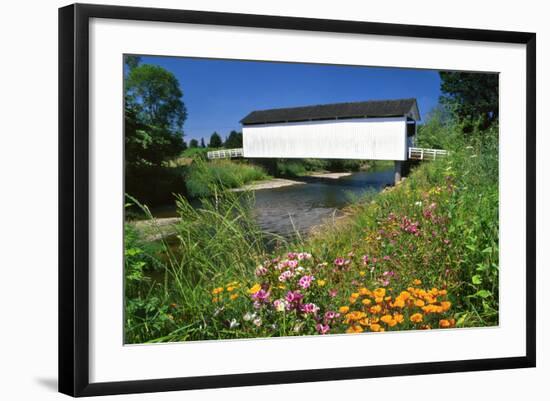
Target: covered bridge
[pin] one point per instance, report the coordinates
(370, 130)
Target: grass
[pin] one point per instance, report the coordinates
(421, 255)
(205, 178)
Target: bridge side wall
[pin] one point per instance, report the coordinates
(367, 139)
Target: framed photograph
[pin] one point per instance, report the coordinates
(252, 199)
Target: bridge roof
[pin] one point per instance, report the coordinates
(371, 108)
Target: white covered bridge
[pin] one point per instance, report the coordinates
(370, 130)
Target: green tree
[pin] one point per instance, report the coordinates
(155, 94)
(215, 141)
(234, 140)
(131, 61)
(202, 143)
(193, 143)
(472, 97)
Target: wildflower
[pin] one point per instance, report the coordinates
(305, 281)
(416, 318)
(293, 296)
(375, 327)
(304, 255)
(321, 283)
(216, 291)
(310, 308)
(330, 315)
(417, 282)
(257, 321)
(366, 301)
(332, 293)
(375, 309)
(379, 292)
(233, 323)
(362, 273)
(233, 296)
(444, 323)
(323, 328)
(419, 203)
(261, 295)
(249, 316)
(286, 275)
(344, 309)
(292, 264)
(398, 318)
(261, 271)
(354, 329)
(254, 289)
(280, 305)
(419, 303)
(364, 291)
(445, 305)
(291, 255)
(365, 259)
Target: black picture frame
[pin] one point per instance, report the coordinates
(74, 200)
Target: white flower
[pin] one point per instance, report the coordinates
(419, 203)
(249, 316)
(258, 321)
(233, 323)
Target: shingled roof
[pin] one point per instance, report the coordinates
(371, 108)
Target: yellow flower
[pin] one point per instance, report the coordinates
(379, 292)
(366, 301)
(230, 288)
(375, 327)
(419, 303)
(416, 318)
(364, 291)
(255, 288)
(215, 299)
(444, 323)
(344, 309)
(321, 283)
(398, 318)
(216, 291)
(399, 302)
(417, 282)
(234, 296)
(445, 305)
(375, 309)
(404, 295)
(362, 273)
(389, 320)
(282, 286)
(378, 300)
(354, 329)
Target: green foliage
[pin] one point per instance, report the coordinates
(155, 94)
(203, 145)
(435, 133)
(215, 141)
(234, 140)
(193, 143)
(131, 61)
(473, 97)
(205, 178)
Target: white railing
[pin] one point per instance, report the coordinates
(225, 153)
(426, 154)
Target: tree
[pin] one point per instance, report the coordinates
(156, 96)
(131, 61)
(202, 143)
(234, 140)
(193, 143)
(472, 97)
(215, 141)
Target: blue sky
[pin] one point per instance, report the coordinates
(219, 93)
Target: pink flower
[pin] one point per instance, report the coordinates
(261, 295)
(386, 257)
(446, 241)
(305, 281)
(293, 296)
(285, 276)
(332, 293)
(292, 255)
(365, 259)
(292, 264)
(331, 315)
(309, 308)
(323, 328)
(261, 271)
(339, 261)
(304, 255)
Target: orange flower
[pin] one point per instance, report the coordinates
(375, 327)
(344, 309)
(398, 317)
(379, 292)
(399, 302)
(417, 282)
(364, 291)
(389, 320)
(378, 300)
(416, 318)
(419, 303)
(216, 291)
(442, 292)
(234, 296)
(354, 329)
(366, 301)
(444, 323)
(375, 309)
(445, 305)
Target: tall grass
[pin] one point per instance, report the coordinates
(204, 178)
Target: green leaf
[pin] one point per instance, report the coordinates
(482, 294)
(476, 279)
